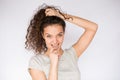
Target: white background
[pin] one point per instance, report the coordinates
(101, 61)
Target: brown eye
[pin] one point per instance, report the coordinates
(60, 35)
(48, 36)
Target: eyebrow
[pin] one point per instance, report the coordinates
(58, 33)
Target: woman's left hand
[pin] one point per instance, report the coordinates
(53, 12)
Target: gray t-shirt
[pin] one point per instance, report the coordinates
(67, 67)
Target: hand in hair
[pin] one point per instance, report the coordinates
(53, 12)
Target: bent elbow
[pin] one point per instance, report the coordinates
(94, 27)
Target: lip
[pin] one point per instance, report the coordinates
(55, 46)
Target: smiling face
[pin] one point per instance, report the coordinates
(53, 36)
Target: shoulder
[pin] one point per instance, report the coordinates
(36, 62)
(36, 57)
(36, 67)
(71, 52)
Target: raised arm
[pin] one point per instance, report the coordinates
(90, 29)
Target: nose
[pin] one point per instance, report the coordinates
(55, 41)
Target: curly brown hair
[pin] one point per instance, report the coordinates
(34, 38)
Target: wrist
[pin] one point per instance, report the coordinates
(66, 17)
(54, 64)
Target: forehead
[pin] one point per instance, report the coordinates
(53, 29)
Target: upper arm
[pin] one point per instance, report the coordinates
(37, 74)
(84, 41)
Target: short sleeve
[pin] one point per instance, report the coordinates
(73, 54)
(35, 63)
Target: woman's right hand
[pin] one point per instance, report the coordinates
(53, 75)
(54, 57)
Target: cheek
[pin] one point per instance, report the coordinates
(61, 40)
(47, 41)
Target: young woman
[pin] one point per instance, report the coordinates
(45, 36)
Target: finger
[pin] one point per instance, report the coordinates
(57, 10)
(48, 10)
(48, 13)
(52, 50)
(57, 48)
